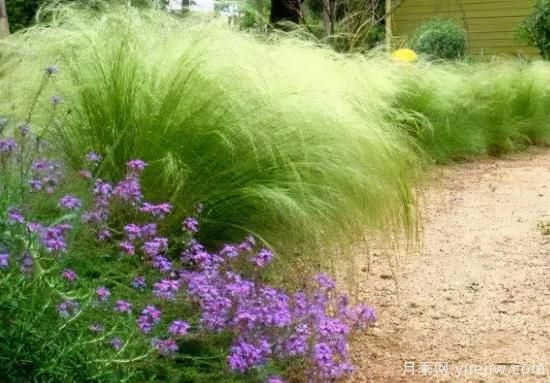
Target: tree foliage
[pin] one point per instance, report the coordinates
(535, 30)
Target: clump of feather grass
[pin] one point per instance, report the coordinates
(285, 141)
(457, 110)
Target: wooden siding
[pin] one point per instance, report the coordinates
(490, 23)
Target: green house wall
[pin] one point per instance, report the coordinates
(490, 23)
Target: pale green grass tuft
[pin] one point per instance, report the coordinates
(286, 141)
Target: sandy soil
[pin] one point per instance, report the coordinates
(472, 304)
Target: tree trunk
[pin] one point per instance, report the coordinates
(4, 26)
(285, 10)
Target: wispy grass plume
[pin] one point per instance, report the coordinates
(282, 140)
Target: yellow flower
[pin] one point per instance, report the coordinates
(405, 54)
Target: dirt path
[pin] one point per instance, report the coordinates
(475, 298)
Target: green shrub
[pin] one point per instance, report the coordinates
(535, 30)
(439, 38)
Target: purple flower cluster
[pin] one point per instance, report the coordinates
(15, 216)
(67, 308)
(245, 354)
(138, 282)
(263, 257)
(132, 231)
(26, 264)
(165, 347)
(191, 225)
(53, 237)
(178, 328)
(116, 343)
(7, 145)
(166, 289)
(4, 260)
(160, 210)
(148, 318)
(129, 189)
(69, 202)
(46, 175)
(102, 293)
(68, 275)
(93, 157)
(266, 323)
(269, 323)
(136, 166)
(122, 306)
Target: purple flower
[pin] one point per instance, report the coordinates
(132, 231)
(116, 343)
(263, 257)
(229, 251)
(102, 190)
(190, 224)
(197, 254)
(40, 166)
(161, 263)
(52, 69)
(102, 293)
(328, 366)
(128, 189)
(361, 316)
(325, 282)
(69, 202)
(53, 238)
(248, 244)
(96, 327)
(103, 234)
(15, 216)
(155, 246)
(122, 306)
(166, 289)
(36, 185)
(136, 166)
(160, 210)
(274, 379)
(178, 328)
(322, 354)
(4, 260)
(55, 100)
(7, 145)
(34, 227)
(297, 343)
(93, 157)
(149, 230)
(27, 264)
(138, 282)
(164, 347)
(148, 318)
(126, 247)
(331, 328)
(237, 287)
(244, 355)
(67, 308)
(69, 275)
